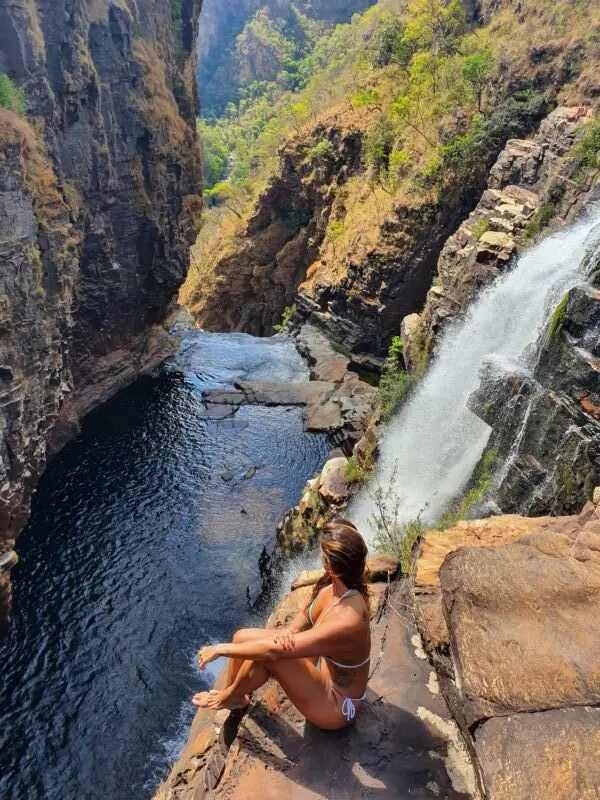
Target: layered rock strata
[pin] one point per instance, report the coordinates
(256, 281)
(335, 401)
(516, 645)
(545, 425)
(98, 202)
(531, 184)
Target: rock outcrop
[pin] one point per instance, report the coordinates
(335, 400)
(512, 624)
(259, 278)
(545, 425)
(530, 184)
(98, 202)
(403, 743)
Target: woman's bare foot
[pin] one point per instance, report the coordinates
(218, 700)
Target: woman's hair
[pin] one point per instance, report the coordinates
(344, 555)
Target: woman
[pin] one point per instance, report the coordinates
(322, 659)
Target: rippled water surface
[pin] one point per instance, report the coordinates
(137, 553)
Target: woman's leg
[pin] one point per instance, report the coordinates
(234, 666)
(201, 700)
(308, 689)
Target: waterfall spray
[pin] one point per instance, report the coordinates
(430, 449)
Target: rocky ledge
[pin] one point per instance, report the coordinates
(336, 401)
(403, 744)
(509, 612)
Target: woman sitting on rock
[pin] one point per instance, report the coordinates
(322, 659)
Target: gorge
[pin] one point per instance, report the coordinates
(408, 193)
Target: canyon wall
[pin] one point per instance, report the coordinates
(100, 186)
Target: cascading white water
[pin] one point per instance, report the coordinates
(430, 449)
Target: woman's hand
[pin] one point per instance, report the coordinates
(207, 654)
(284, 637)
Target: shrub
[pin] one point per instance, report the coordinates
(480, 228)
(393, 390)
(480, 485)
(286, 318)
(392, 535)
(586, 151)
(11, 96)
(540, 220)
(355, 473)
(321, 152)
(557, 320)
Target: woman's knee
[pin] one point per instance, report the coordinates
(244, 635)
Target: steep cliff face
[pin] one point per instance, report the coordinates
(259, 278)
(358, 285)
(98, 197)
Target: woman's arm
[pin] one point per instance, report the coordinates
(313, 642)
(299, 623)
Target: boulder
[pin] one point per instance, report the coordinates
(382, 567)
(411, 332)
(334, 487)
(524, 622)
(433, 549)
(549, 754)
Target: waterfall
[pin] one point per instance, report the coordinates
(431, 447)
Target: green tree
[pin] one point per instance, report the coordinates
(225, 194)
(388, 44)
(478, 70)
(215, 152)
(11, 96)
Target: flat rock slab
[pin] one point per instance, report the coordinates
(326, 364)
(524, 622)
(435, 546)
(549, 755)
(270, 394)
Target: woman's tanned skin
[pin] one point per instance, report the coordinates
(289, 655)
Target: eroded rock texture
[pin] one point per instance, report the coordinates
(98, 195)
(546, 425)
(403, 743)
(259, 278)
(509, 610)
(529, 178)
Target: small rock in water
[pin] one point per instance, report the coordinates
(227, 476)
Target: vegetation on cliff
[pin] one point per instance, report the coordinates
(434, 93)
(12, 97)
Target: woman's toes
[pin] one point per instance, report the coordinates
(201, 700)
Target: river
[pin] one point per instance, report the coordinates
(145, 535)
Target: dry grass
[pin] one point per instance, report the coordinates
(564, 27)
(158, 106)
(219, 238)
(96, 11)
(516, 34)
(34, 29)
(38, 176)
